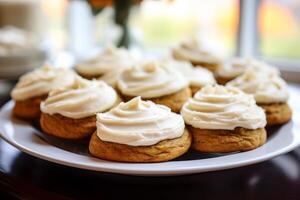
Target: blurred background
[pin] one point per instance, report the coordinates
(70, 30)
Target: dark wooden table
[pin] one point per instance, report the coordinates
(25, 177)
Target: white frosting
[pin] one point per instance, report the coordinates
(139, 123)
(108, 65)
(197, 76)
(266, 88)
(41, 81)
(192, 50)
(83, 99)
(151, 79)
(111, 77)
(225, 108)
(14, 40)
(233, 68)
(237, 66)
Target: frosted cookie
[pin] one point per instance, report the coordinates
(70, 112)
(156, 82)
(107, 65)
(197, 77)
(192, 51)
(139, 131)
(235, 67)
(33, 87)
(224, 119)
(270, 92)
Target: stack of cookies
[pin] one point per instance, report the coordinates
(155, 111)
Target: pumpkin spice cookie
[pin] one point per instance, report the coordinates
(224, 119)
(156, 82)
(270, 92)
(223, 141)
(277, 113)
(107, 65)
(28, 109)
(67, 128)
(231, 69)
(34, 87)
(139, 131)
(193, 51)
(70, 112)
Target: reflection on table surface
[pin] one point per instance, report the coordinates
(276, 178)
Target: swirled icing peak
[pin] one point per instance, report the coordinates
(151, 79)
(197, 76)
(139, 123)
(237, 66)
(82, 99)
(220, 107)
(193, 50)
(266, 88)
(41, 81)
(109, 64)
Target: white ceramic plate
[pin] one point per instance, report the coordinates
(12, 66)
(29, 140)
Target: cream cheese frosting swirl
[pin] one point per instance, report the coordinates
(225, 108)
(192, 50)
(266, 88)
(41, 81)
(197, 76)
(233, 68)
(109, 63)
(139, 123)
(237, 66)
(151, 79)
(82, 99)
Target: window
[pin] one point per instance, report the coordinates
(160, 24)
(266, 28)
(279, 28)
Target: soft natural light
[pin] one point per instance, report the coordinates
(164, 23)
(279, 28)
